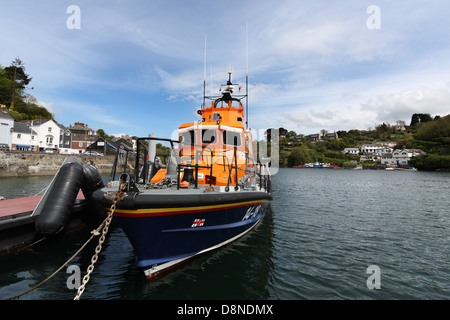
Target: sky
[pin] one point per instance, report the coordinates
(137, 66)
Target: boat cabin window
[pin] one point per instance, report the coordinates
(231, 138)
(208, 136)
(187, 137)
(233, 102)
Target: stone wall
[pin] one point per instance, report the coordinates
(16, 163)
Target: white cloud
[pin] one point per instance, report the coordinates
(183, 81)
(47, 105)
(312, 64)
(435, 101)
(360, 103)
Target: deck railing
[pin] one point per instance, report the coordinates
(144, 168)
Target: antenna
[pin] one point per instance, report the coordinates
(246, 75)
(211, 83)
(204, 77)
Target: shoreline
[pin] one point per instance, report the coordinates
(27, 164)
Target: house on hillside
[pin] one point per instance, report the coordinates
(400, 157)
(298, 138)
(331, 136)
(400, 126)
(314, 137)
(371, 148)
(375, 149)
(351, 151)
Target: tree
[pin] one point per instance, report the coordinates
(16, 73)
(294, 157)
(5, 88)
(436, 130)
(419, 118)
(282, 132)
(291, 134)
(101, 133)
(22, 106)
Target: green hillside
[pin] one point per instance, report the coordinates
(431, 135)
(13, 95)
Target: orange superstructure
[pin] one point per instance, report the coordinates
(220, 138)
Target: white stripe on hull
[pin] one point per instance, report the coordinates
(156, 269)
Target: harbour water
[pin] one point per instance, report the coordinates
(323, 231)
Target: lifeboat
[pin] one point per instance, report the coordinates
(206, 191)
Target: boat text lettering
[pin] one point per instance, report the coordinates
(251, 213)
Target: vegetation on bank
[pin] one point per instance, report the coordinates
(13, 86)
(431, 135)
(434, 138)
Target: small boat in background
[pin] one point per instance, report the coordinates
(318, 165)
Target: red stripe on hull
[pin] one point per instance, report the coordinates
(175, 211)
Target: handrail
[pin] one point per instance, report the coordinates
(236, 187)
(141, 170)
(138, 152)
(196, 166)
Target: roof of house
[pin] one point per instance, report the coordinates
(21, 127)
(5, 115)
(36, 122)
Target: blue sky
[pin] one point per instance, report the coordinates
(137, 67)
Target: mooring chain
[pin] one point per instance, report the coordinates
(120, 194)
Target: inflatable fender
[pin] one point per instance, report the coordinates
(62, 194)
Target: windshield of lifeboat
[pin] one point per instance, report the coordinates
(211, 136)
(232, 103)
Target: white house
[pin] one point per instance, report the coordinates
(23, 137)
(6, 127)
(371, 148)
(351, 151)
(47, 134)
(400, 158)
(414, 152)
(375, 149)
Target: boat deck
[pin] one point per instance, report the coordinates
(12, 207)
(21, 206)
(17, 225)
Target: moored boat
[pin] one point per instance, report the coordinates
(205, 192)
(319, 165)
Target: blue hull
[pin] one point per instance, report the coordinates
(164, 237)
